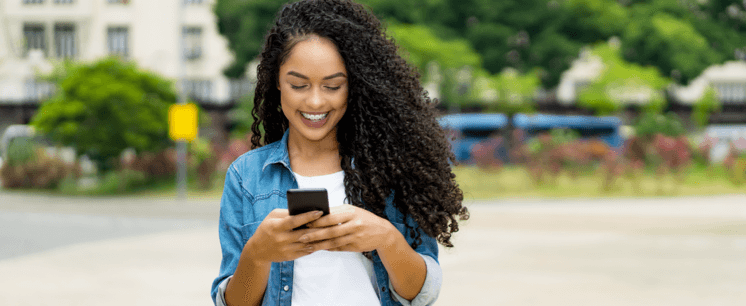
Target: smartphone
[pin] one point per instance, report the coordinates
(305, 200)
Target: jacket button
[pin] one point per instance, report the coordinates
(286, 288)
(383, 289)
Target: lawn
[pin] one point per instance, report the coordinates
(514, 182)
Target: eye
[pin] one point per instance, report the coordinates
(297, 87)
(334, 88)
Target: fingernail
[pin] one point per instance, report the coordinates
(318, 213)
(303, 239)
(309, 249)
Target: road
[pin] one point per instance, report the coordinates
(130, 251)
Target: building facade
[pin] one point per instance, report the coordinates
(34, 34)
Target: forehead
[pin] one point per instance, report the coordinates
(314, 57)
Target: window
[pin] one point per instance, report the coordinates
(198, 89)
(118, 1)
(731, 92)
(39, 90)
(64, 40)
(192, 37)
(192, 1)
(35, 37)
(118, 41)
(63, 1)
(33, 1)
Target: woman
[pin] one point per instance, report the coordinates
(337, 107)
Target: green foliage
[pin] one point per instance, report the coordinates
(619, 82)
(114, 182)
(39, 171)
(705, 106)
(107, 106)
(649, 124)
(200, 150)
(680, 38)
(515, 91)
(21, 151)
(244, 24)
(241, 117)
(422, 46)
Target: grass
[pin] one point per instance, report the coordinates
(509, 182)
(514, 182)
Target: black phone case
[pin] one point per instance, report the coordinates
(305, 200)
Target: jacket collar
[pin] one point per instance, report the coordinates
(279, 154)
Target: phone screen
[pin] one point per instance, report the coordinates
(305, 200)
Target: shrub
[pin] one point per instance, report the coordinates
(486, 154)
(40, 171)
(121, 181)
(202, 160)
(155, 166)
(236, 148)
(104, 107)
(21, 151)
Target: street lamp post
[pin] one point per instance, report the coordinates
(181, 146)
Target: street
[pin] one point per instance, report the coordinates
(130, 251)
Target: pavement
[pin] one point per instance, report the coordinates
(134, 251)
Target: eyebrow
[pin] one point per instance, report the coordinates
(336, 75)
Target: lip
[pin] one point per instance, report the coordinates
(312, 124)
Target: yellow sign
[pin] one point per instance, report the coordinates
(182, 122)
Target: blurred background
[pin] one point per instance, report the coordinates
(604, 137)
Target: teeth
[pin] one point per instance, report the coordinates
(314, 117)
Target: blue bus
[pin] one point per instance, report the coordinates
(605, 129)
(471, 129)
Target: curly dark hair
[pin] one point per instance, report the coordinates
(389, 129)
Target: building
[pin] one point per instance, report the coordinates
(728, 80)
(34, 34)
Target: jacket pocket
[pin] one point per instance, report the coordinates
(248, 230)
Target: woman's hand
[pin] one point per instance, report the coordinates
(351, 229)
(276, 241)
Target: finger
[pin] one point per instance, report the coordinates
(292, 222)
(334, 243)
(333, 219)
(278, 213)
(326, 233)
(345, 248)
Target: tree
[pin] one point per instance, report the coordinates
(102, 108)
(680, 37)
(244, 24)
(705, 106)
(621, 82)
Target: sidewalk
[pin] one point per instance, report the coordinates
(686, 251)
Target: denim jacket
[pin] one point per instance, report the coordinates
(256, 183)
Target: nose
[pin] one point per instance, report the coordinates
(316, 100)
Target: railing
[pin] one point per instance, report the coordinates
(38, 91)
(240, 88)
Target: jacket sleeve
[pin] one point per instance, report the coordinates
(229, 230)
(430, 289)
(428, 249)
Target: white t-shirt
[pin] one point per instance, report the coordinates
(332, 278)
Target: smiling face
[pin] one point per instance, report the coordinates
(313, 90)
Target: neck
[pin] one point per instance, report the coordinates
(299, 146)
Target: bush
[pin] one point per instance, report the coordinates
(105, 107)
(202, 160)
(236, 148)
(39, 171)
(21, 151)
(121, 181)
(155, 166)
(649, 124)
